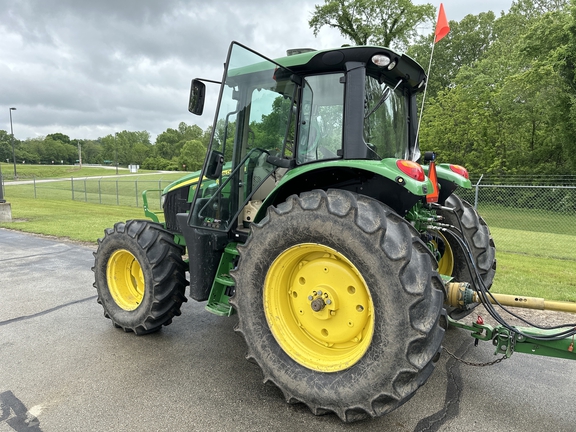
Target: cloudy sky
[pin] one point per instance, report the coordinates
(88, 68)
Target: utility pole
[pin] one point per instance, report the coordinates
(80, 154)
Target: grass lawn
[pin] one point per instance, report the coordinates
(531, 276)
(70, 219)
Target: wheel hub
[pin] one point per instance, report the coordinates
(125, 279)
(317, 304)
(318, 307)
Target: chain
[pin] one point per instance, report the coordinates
(472, 363)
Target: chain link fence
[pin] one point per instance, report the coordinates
(123, 191)
(528, 215)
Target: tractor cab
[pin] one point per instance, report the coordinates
(320, 108)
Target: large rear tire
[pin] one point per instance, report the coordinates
(339, 304)
(480, 242)
(140, 276)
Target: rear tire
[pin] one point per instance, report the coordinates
(140, 276)
(479, 240)
(367, 351)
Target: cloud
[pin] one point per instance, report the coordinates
(90, 68)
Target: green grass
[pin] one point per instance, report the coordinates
(527, 275)
(537, 244)
(74, 220)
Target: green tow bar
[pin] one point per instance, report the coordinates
(507, 342)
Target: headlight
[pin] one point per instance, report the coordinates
(381, 60)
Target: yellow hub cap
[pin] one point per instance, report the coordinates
(446, 263)
(125, 279)
(318, 307)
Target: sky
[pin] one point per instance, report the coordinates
(89, 68)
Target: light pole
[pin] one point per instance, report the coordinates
(12, 137)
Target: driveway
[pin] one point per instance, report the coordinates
(63, 367)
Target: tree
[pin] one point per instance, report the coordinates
(536, 8)
(192, 155)
(170, 142)
(512, 111)
(155, 163)
(464, 45)
(59, 137)
(127, 147)
(91, 151)
(386, 23)
(5, 146)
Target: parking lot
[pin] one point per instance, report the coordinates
(64, 367)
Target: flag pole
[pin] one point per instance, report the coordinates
(425, 91)
(441, 30)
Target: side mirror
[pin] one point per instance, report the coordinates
(214, 166)
(197, 96)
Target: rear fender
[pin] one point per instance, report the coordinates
(381, 180)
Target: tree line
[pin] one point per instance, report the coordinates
(502, 91)
(180, 149)
(501, 96)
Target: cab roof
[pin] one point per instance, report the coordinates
(333, 60)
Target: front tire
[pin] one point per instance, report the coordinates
(367, 350)
(140, 276)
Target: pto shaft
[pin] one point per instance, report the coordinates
(459, 294)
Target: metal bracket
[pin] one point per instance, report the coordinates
(504, 341)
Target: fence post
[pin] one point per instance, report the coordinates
(99, 191)
(160, 193)
(136, 187)
(476, 194)
(85, 193)
(117, 197)
(34, 178)
(72, 186)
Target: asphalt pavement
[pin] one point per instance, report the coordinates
(64, 367)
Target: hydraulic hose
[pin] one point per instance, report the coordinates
(487, 298)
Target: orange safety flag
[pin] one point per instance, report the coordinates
(442, 27)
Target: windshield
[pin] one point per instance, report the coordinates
(255, 107)
(386, 120)
(254, 120)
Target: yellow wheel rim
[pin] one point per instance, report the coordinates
(125, 279)
(446, 263)
(318, 307)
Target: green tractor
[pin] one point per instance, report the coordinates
(313, 221)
